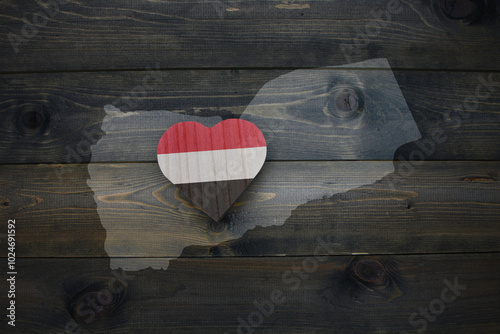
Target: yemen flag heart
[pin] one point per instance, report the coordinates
(212, 166)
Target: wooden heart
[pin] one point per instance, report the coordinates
(212, 166)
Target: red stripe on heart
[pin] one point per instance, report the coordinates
(194, 137)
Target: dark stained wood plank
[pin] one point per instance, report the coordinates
(66, 209)
(367, 207)
(341, 294)
(49, 118)
(89, 35)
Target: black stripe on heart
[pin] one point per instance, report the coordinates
(214, 198)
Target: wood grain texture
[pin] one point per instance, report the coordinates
(70, 109)
(365, 206)
(241, 34)
(343, 294)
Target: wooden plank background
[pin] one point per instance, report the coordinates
(442, 207)
(75, 101)
(353, 252)
(242, 34)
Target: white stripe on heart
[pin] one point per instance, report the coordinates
(209, 166)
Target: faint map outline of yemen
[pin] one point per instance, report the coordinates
(158, 241)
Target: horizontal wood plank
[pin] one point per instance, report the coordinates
(341, 294)
(367, 207)
(75, 36)
(56, 118)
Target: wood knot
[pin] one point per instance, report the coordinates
(372, 280)
(222, 225)
(345, 102)
(218, 226)
(32, 119)
(98, 303)
(468, 11)
(369, 270)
